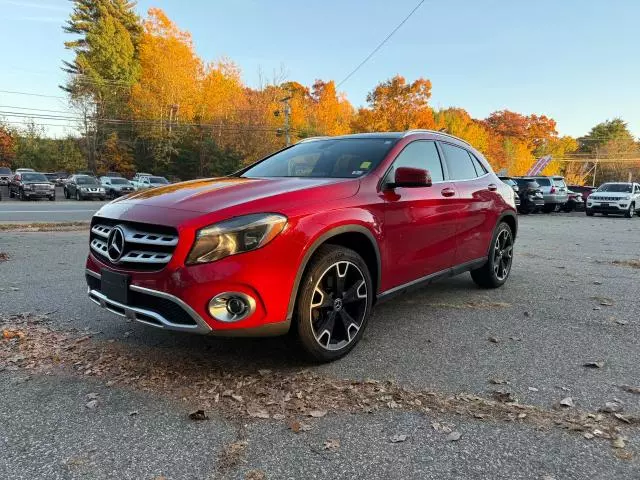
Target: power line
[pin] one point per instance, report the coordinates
(382, 43)
(31, 94)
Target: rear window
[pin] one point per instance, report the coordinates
(544, 182)
(559, 182)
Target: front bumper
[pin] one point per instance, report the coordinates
(39, 194)
(608, 207)
(266, 275)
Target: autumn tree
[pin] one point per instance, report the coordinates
(7, 146)
(116, 156)
(532, 129)
(331, 113)
(458, 122)
(396, 105)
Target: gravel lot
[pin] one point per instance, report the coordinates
(565, 304)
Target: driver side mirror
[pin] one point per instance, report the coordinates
(410, 178)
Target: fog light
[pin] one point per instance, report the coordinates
(231, 306)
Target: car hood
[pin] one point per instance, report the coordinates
(214, 194)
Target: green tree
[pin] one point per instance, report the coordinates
(615, 131)
(106, 62)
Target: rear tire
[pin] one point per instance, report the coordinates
(495, 272)
(334, 303)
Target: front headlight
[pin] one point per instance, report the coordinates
(237, 235)
(101, 190)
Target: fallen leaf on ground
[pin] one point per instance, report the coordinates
(198, 415)
(532, 389)
(92, 396)
(296, 426)
(264, 372)
(630, 389)
(593, 364)
(503, 396)
(498, 381)
(317, 413)
(494, 339)
(237, 398)
(454, 437)
(91, 404)
(255, 475)
(10, 334)
(611, 407)
(393, 404)
(256, 412)
(588, 435)
(618, 442)
(398, 438)
(622, 418)
(133, 413)
(567, 402)
(331, 444)
(624, 454)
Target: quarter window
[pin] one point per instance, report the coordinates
(420, 154)
(459, 162)
(480, 168)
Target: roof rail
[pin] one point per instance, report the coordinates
(424, 130)
(311, 139)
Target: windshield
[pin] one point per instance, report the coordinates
(86, 181)
(334, 158)
(615, 187)
(34, 177)
(161, 180)
(119, 181)
(5, 170)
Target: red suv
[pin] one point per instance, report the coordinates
(306, 240)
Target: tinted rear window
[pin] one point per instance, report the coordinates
(544, 182)
(559, 182)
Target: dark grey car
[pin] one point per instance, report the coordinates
(116, 186)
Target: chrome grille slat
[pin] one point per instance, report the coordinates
(142, 249)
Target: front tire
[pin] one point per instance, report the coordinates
(78, 196)
(66, 194)
(495, 271)
(334, 303)
(631, 211)
(589, 212)
(23, 197)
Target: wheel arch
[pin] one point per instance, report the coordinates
(356, 237)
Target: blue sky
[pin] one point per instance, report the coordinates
(573, 60)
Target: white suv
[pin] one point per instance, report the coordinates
(617, 198)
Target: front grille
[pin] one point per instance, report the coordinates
(607, 199)
(146, 247)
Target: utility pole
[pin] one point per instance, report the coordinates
(595, 168)
(287, 114)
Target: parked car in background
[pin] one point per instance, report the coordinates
(516, 189)
(618, 198)
(116, 186)
(294, 242)
(31, 185)
(52, 177)
(113, 175)
(574, 202)
(23, 170)
(583, 190)
(143, 183)
(554, 190)
(60, 178)
(5, 175)
(531, 197)
(82, 187)
(137, 176)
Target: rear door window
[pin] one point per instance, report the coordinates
(459, 163)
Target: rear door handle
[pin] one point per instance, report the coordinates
(492, 187)
(448, 192)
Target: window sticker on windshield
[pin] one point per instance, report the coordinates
(357, 172)
(365, 165)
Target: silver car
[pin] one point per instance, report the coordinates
(555, 192)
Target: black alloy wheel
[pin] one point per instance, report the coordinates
(495, 272)
(334, 303)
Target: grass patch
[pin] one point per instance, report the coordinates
(44, 227)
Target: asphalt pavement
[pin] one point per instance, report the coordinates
(572, 299)
(61, 210)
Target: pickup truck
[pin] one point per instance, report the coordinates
(142, 182)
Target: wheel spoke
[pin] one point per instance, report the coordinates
(325, 327)
(349, 323)
(341, 275)
(325, 300)
(355, 292)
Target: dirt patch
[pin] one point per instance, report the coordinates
(627, 263)
(44, 227)
(239, 394)
(4, 257)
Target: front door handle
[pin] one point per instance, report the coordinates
(448, 192)
(492, 187)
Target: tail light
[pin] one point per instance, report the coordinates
(553, 190)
